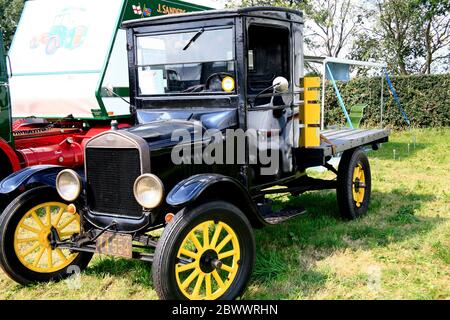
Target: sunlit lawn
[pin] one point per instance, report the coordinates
(400, 250)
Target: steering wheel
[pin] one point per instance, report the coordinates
(218, 75)
(196, 88)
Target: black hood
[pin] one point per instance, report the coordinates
(158, 126)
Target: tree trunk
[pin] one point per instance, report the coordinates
(429, 57)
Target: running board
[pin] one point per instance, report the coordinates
(276, 217)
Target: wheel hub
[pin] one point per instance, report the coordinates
(358, 184)
(43, 237)
(209, 261)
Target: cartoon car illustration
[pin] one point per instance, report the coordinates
(69, 31)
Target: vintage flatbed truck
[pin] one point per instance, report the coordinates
(51, 107)
(216, 75)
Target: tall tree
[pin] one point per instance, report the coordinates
(434, 29)
(334, 25)
(413, 36)
(398, 19)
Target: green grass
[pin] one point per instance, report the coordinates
(399, 250)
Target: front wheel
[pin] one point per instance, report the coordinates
(26, 254)
(353, 184)
(205, 253)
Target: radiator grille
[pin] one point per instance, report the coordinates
(111, 173)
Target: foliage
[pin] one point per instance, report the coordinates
(412, 36)
(9, 17)
(435, 31)
(425, 99)
(335, 24)
(397, 18)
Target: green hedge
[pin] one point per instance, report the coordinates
(425, 99)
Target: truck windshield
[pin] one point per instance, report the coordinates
(194, 62)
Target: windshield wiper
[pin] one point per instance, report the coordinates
(195, 37)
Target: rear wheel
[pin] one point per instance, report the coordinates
(354, 184)
(26, 254)
(205, 253)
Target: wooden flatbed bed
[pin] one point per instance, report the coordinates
(335, 141)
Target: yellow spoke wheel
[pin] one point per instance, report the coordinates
(206, 252)
(31, 237)
(354, 184)
(26, 254)
(210, 253)
(358, 185)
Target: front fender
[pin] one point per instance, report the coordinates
(223, 187)
(35, 175)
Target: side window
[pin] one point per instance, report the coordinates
(298, 59)
(268, 58)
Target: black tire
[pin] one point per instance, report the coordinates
(164, 274)
(350, 208)
(4, 201)
(9, 220)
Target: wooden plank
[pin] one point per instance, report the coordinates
(342, 133)
(353, 134)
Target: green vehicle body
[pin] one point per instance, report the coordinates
(5, 103)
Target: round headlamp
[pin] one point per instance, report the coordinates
(68, 185)
(148, 191)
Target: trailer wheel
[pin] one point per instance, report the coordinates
(26, 255)
(353, 184)
(205, 253)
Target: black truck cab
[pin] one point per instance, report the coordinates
(218, 68)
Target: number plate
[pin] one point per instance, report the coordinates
(115, 244)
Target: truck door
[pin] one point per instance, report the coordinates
(5, 105)
(270, 114)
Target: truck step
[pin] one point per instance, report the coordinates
(276, 217)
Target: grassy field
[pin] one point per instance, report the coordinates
(400, 250)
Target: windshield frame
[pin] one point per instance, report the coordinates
(194, 30)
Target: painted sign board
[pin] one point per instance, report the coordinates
(66, 52)
(340, 71)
